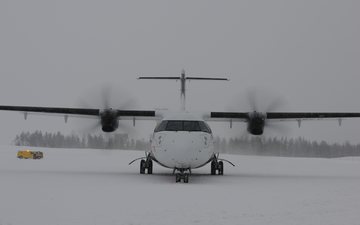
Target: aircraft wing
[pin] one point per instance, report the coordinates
(87, 112)
(284, 115)
(310, 115)
(257, 121)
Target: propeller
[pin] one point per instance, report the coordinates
(107, 103)
(259, 102)
(260, 107)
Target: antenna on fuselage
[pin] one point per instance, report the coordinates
(183, 80)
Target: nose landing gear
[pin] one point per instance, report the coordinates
(182, 175)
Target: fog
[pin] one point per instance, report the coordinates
(59, 53)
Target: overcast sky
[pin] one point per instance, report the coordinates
(55, 53)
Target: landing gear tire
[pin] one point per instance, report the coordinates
(150, 167)
(177, 178)
(186, 178)
(221, 168)
(213, 167)
(142, 166)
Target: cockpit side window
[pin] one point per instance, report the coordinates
(161, 126)
(204, 127)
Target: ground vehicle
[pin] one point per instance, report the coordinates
(27, 154)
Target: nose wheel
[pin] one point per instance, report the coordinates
(182, 175)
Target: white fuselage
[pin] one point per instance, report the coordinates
(187, 148)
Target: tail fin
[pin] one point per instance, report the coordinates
(183, 80)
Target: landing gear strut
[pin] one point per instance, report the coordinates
(182, 175)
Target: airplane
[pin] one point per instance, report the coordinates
(182, 140)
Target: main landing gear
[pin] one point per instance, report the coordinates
(217, 165)
(146, 165)
(182, 175)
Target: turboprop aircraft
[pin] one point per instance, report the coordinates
(182, 140)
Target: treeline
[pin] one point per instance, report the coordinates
(97, 141)
(249, 145)
(298, 147)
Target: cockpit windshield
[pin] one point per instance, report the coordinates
(183, 125)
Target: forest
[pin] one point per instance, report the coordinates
(247, 145)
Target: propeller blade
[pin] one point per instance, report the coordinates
(276, 104)
(105, 96)
(252, 100)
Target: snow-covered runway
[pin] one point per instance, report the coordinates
(71, 186)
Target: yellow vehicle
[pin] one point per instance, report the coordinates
(27, 154)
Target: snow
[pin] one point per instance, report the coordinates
(82, 186)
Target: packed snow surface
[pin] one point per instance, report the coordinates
(81, 186)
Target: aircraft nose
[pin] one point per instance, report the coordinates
(183, 148)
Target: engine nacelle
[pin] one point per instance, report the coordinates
(109, 120)
(256, 123)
